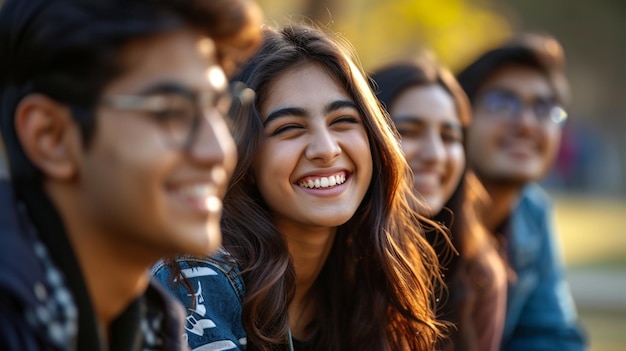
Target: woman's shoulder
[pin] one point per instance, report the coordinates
(211, 289)
(220, 269)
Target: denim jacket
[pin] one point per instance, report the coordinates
(214, 306)
(541, 314)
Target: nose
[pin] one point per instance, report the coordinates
(213, 144)
(527, 119)
(432, 148)
(322, 145)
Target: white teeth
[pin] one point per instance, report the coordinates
(332, 181)
(323, 182)
(427, 178)
(195, 191)
(213, 203)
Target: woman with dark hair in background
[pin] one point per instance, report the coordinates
(324, 248)
(431, 113)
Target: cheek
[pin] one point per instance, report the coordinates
(274, 162)
(361, 146)
(456, 161)
(479, 137)
(410, 147)
(553, 137)
(553, 143)
(126, 160)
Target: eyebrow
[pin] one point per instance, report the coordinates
(172, 87)
(301, 112)
(414, 119)
(499, 89)
(166, 87)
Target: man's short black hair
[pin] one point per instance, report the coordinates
(69, 50)
(538, 51)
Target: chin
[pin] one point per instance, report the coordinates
(330, 222)
(200, 242)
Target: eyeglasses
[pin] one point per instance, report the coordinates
(179, 111)
(506, 105)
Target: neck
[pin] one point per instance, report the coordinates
(309, 251)
(115, 274)
(504, 198)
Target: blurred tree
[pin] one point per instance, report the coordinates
(383, 30)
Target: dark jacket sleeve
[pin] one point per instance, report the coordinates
(15, 333)
(18, 270)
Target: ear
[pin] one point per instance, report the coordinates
(48, 135)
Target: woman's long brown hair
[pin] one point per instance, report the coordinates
(460, 213)
(376, 290)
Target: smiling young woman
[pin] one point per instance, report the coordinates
(432, 113)
(323, 247)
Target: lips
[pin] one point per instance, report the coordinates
(521, 147)
(426, 182)
(200, 197)
(318, 182)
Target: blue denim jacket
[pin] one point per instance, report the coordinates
(214, 321)
(541, 314)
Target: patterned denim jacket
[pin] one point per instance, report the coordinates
(541, 314)
(214, 305)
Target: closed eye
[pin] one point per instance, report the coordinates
(409, 132)
(285, 128)
(346, 119)
(170, 114)
(411, 128)
(452, 136)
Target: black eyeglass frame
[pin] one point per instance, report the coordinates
(554, 112)
(158, 100)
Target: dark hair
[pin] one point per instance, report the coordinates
(538, 51)
(460, 211)
(70, 49)
(375, 291)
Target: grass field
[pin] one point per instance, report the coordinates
(593, 234)
(593, 230)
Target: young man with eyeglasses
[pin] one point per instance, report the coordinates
(113, 116)
(518, 91)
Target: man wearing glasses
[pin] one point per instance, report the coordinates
(518, 92)
(113, 117)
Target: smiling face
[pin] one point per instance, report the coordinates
(313, 166)
(513, 150)
(136, 184)
(432, 141)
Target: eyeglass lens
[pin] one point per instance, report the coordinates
(508, 105)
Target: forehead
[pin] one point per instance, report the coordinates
(424, 101)
(308, 85)
(182, 56)
(524, 81)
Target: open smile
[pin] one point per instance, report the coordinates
(323, 182)
(197, 197)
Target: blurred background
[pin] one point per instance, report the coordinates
(588, 181)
